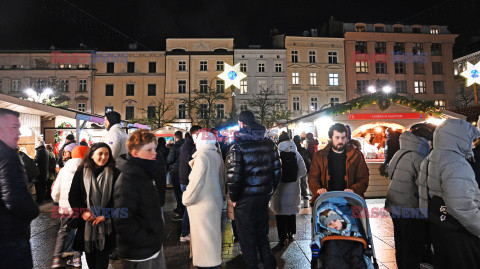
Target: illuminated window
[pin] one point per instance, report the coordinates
(420, 86)
(333, 80)
(440, 103)
(360, 28)
(295, 78)
(243, 87)
(361, 66)
(434, 31)
(313, 78)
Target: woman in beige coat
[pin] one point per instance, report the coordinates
(203, 199)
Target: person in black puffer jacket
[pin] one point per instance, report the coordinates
(254, 171)
(173, 159)
(17, 208)
(140, 235)
(42, 160)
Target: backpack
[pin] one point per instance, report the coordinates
(289, 166)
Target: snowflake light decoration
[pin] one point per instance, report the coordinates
(472, 74)
(232, 75)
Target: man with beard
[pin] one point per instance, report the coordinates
(338, 167)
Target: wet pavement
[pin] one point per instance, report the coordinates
(295, 255)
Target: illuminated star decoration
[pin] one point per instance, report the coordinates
(232, 75)
(472, 74)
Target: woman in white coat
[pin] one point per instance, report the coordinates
(203, 199)
(285, 202)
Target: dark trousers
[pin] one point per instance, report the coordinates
(304, 187)
(454, 249)
(251, 218)
(64, 235)
(286, 226)
(409, 235)
(177, 191)
(186, 220)
(16, 254)
(41, 190)
(98, 259)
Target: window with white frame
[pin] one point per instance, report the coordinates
(243, 87)
(262, 85)
(334, 101)
(314, 103)
(203, 111)
(261, 67)
(182, 86)
(295, 78)
(279, 87)
(182, 65)
(203, 87)
(313, 78)
(220, 65)
(81, 107)
(82, 85)
(296, 103)
(182, 111)
(278, 67)
(294, 56)
(243, 67)
(312, 56)
(220, 111)
(64, 85)
(420, 86)
(203, 66)
(434, 31)
(220, 86)
(333, 79)
(332, 57)
(15, 85)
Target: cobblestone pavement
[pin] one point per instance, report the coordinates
(296, 255)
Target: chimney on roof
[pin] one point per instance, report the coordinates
(305, 33)
(313, 32)
(132, 46)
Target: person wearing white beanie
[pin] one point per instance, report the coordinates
(204, 197)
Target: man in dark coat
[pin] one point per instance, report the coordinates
(254, 171)
(42, 160)
(392, 144)
(173, 159)
(17, 208)
(186, 152)
(304, 180)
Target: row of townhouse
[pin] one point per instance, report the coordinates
(304, 74)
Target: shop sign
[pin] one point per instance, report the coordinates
(386, 116)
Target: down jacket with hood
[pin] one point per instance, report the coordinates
(404, 169)
(253, 164)
(116, 138)
(62, 185)
(286, 199)
(447, 174)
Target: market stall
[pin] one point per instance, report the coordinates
(168, 132)
(369, 117)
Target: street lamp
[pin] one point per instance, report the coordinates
(39, 98)
(371, 89)
(387, 89)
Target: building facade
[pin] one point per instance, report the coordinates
(129, 82)
(465, 96)
(69, 74)
(315, 73)
(192, 65)
(265, 70)
(414, 60)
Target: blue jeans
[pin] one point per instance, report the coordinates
(185, 221)
(16, 254)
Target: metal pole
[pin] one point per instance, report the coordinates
(475, 92)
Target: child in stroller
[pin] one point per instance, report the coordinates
(338, 239)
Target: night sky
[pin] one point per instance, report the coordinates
(38, 24)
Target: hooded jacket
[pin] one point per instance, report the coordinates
(186, 152)
(41, 159)
(286, 199)
(140, 235)
(116, 138)
(356, 176)
(392, 145)
(17, 208)
(404, 169)
(253, 164)
(62, 185)
(447, 174)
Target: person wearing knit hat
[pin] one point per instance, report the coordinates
(116, 137)
(68, 140)
(73, 156)
(79, 152)
(332, 219)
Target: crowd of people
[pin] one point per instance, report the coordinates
(111, 195)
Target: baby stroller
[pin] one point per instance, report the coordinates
(357, 227)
